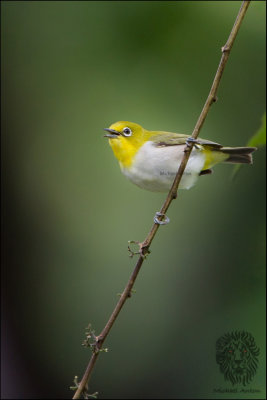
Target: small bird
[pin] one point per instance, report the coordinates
(150, 159)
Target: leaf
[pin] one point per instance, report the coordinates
(257, 140)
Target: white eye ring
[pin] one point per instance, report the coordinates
(127, 131)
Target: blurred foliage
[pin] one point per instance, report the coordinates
(70, 69)
(259, 138)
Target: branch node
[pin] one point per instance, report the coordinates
(225, 49)
(174, 195)
(129, 294)
(92, 341)
(85, 393)
(187, 148)
(143, 250)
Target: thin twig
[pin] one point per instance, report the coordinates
(144, 247)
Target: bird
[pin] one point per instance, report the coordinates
(150, 159)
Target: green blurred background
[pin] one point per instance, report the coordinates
(69, 69)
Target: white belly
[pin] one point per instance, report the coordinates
(154, 168)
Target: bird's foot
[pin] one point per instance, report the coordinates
(191, 140)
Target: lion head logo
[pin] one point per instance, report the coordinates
(236, 354)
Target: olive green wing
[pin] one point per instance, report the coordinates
(164, 139)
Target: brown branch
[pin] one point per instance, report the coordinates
(144, 247)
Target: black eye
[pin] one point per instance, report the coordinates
(127, 131)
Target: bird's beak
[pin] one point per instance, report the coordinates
(112, 133)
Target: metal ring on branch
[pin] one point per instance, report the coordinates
(165, 220)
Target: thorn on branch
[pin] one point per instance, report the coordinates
(93, 341)
(105, 349)
(76, 383)
(90, 396)
(90, 337)
(215, 99)
(143, 250)
(85, 394)
(132, 253)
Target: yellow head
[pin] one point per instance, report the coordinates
(125, 139)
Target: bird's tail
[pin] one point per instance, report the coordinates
(238, 155)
